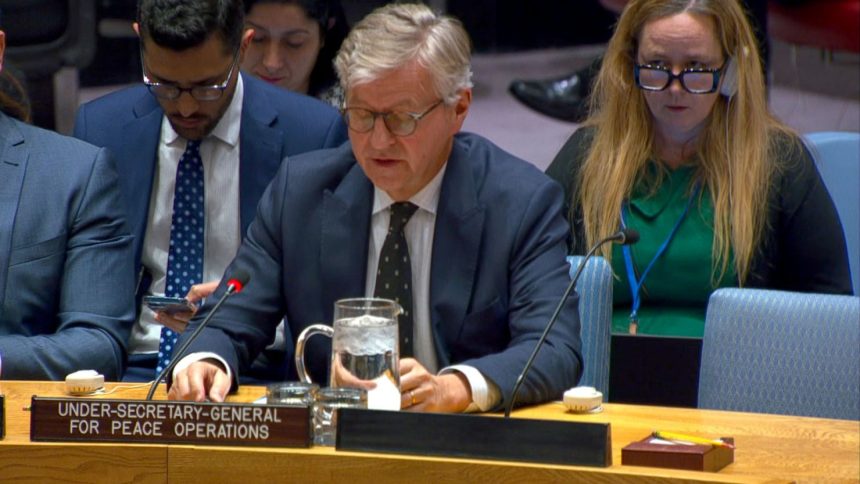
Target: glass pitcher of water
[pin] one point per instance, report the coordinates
(364, 349)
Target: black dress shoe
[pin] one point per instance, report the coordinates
(564, 98)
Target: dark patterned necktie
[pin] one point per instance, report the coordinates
(394, 273)
(185, 256)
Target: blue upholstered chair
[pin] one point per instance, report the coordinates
(837, 155)
(782, 352)
(595, 315)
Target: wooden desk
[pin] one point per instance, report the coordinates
(771, 448)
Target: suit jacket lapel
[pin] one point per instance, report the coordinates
(456, 245)
(136, 164)
(13, 165)
(345, 233)
(259, 150)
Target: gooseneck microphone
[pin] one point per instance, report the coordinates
(234, 285)
(624, 237)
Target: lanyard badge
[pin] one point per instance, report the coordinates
(636, 284)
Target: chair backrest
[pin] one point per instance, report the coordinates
(595, 316)
(781, 352)
(43, 36)
(48, 41)
(837, 156)
(829, 25)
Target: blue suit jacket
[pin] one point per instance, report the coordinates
(275, 123)
(66, 276)
(498, 266)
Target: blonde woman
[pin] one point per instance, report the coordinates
(680, 146)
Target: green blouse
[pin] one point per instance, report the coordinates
(676, 290)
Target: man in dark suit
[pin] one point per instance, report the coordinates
(66, 280)
(485, 264)
(197, 125)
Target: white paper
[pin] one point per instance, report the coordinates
(386, 395)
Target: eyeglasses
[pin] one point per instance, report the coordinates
(399, 123)
(170, 92)
(695, 80)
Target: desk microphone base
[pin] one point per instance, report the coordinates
(475, 437)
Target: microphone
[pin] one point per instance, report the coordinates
(234, 285)
(625, 236)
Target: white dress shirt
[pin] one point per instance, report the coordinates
(219, 152)
(419, 237)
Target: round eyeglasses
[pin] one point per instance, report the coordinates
(399, 123)
(695, 80)
(171, 92)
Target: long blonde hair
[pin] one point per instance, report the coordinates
(737, 173)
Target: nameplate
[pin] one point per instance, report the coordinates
(165, 422)
(475, 437)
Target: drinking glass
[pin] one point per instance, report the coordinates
(329, 401)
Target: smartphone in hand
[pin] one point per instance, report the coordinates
(169, 305)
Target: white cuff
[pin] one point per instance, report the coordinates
(485, 394)
(201, 355)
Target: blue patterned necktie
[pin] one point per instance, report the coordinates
(185, 256)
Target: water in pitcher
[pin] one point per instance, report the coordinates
(366, 350)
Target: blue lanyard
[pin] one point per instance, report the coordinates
(636, 285)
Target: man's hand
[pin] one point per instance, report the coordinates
(202, 380)
(179, 321)
(343, 378)
(423, 392)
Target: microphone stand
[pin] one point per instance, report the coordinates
(235, 285)
(625, 236)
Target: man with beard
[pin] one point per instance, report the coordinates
(195, 147)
